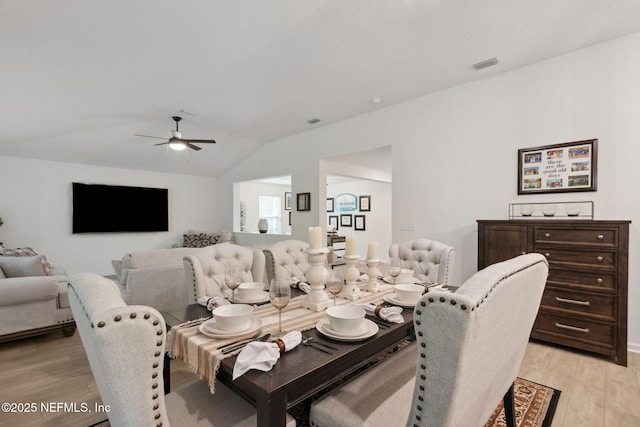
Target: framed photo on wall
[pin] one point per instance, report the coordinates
(365, 203)
(346, 220)
(333, 222)
(303, 201)
(330, 204)
(567, 167)
(359, 222)
(287, 201)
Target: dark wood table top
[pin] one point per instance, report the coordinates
(304, 370)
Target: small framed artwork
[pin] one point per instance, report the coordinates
(346, 220)
(365, 203)
(287, 201)
(559, 168)
(333, 222)
(330, 204)
(303, 201)
(359, 222)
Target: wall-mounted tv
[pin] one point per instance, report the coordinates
(101, 208)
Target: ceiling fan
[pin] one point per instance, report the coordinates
(177, 142)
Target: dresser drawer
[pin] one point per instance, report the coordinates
(593, 236)
(593, 259)
(601, 306)
(574, 331)
(582, 279)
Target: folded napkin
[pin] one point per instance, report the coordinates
(212, 303)
(303, 286)
(439, 287)
(263, 355)
(390, 314)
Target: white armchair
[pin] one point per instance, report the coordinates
(125, 345)
(286, 259)
(430, 260)
(205, 269)
(470, 345)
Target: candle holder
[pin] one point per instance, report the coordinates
(351, 290)
(373, 273)
(317, 299)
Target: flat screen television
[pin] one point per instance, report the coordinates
(99, 208)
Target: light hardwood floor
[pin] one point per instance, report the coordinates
(50, 368)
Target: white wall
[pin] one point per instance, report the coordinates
(454, 152)
(377, 221)
(36, 208)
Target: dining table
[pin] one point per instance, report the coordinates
(299, 373)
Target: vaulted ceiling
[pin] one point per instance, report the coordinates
(79, 78)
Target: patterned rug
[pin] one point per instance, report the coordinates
(535, 407)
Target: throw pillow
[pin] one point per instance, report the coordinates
(26, 251)
(199, 240)
(19, 266)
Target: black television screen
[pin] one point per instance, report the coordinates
(101, 208)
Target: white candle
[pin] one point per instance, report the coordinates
(351, 243)
(315, 237)
(372, 250)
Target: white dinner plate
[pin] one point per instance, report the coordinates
(264, 297)
(389, 280)
(210, 329)
(393, 299)
(368, 329)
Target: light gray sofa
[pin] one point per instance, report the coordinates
(33, 298)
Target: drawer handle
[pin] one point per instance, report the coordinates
(572, 301)
(600, 258)
(599, 280)
(572, 328)
(600, 236)
(547, 234)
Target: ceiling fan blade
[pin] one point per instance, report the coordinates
(193, 147)
(149, 136)
(200, 141)
(161, 143)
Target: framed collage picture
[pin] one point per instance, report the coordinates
(567, 167)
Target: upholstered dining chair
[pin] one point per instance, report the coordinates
(286, 259)
(205, 270)
(468, 351)
(125, 346)
(430, 260)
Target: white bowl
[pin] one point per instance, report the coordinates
(345, 318)
(233, 317)
(409, 292)
(406, 276)
(250, 290)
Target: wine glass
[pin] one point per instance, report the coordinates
(233, 278)
(335, 283)
(279, 295)
(395, 268)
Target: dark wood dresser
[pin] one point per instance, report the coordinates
(584, 304)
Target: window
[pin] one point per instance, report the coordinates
(270, 207)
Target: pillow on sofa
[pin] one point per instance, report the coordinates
(23, 266)
(199, 240)
(26, 251)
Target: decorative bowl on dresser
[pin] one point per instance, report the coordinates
(584, 305)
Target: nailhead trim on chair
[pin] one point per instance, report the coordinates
(193, 276)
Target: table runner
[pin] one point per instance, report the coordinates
(203, 355)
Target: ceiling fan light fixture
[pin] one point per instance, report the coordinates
(177, 145)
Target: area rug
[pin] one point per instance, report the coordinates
(535, 407)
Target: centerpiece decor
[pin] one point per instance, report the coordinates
(372, 263)
(317, 299)
(351, 290)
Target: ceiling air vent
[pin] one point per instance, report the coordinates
(486, 64)
(313, 120)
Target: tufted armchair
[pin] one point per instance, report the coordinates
(468, 351)
(205, 269)
(430, 260)
(125, 345)
(286, 259)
